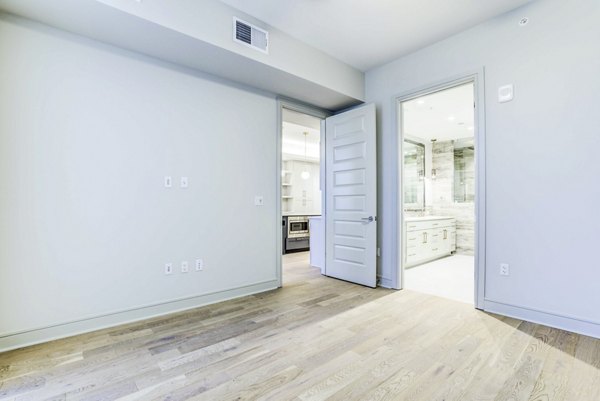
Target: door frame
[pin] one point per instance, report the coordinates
(314, 111)
(477, 78)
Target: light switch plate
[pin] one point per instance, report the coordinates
(504, 269)
(168, 181)
(259, 200)
(184, 182)
(506, 93)
(168, 268)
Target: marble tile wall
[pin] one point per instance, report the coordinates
(442, 202)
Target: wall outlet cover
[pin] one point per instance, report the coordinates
(185, 268)
(259, 200)
(199, 265)
(184, 182)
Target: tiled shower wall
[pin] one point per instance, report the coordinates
(442, 190)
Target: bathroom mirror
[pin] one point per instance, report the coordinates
(464, 170)
(414, 174)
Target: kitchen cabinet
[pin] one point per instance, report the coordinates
(428, 238)
(298, 195)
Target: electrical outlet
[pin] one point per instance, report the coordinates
(184, 182)
(504, 269)
(259, 200)
(185, 268)
(168, 268)
(168, 182)
(199, 265)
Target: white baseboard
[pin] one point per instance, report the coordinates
(575, 325)
(45, 334)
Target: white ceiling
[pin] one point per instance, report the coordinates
(369, 33)
(294, 127)
(443, 116)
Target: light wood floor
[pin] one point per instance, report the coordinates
(315, 339)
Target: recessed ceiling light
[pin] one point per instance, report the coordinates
(451, 118)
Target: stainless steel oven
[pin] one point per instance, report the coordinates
(298, 227)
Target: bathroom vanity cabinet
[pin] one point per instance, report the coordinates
(428, 238)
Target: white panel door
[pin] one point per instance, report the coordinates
(351, 196)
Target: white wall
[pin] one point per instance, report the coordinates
(542, 154)
(87, 133)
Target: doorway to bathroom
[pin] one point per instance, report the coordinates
(439, 191)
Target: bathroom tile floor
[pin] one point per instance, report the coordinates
(452, 277)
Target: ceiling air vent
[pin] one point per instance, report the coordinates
(250, 35)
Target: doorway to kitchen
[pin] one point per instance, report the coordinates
(440, 190)
(301, 193)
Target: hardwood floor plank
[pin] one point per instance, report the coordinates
(316, 338)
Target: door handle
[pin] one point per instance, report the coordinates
(369, 219)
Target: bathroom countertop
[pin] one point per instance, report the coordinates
(300, 214)
(427, 218)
